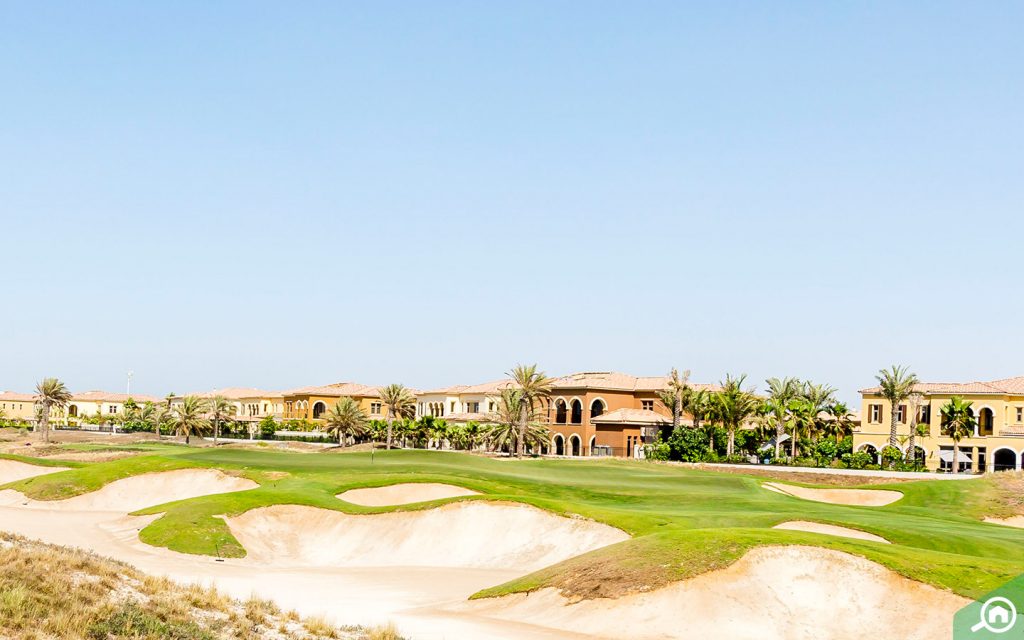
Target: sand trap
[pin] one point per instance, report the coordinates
(476, 534)
(12, 470)
(1012, 521)
(773, 593)
(139, 492)
(829, 530)
(406, 493)
(854, 497)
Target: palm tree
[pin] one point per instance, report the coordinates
(507, 432)
(400, 404)
(534, 389)
(896, 383)
(780, 394)
(841, 423)
(734, 407)
(958, 422)
(914, 402)
(188, 417)
(814, 400)
(346, 419)
(220, 409)
(51, 392)
(677, 389)
(698, 403)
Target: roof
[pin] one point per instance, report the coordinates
(106, 396)
(1006, 386)
(631, 416)
(614, 380)
(13, 396)
(484, 388)
(336, 390)
(238, 393)
(467, 417)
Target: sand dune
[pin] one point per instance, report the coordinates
(829, 530)
(405, 493)
(466, 534)
(12, 470)
(854, 497)
(139, 492)
(772, 593)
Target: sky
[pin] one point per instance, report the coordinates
(283, 194)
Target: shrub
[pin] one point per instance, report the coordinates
(857, 460)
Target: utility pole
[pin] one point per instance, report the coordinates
(129, 390)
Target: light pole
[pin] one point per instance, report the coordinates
(129, 390)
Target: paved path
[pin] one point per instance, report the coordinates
(903, 475)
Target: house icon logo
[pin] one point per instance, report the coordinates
(994, 615)
(998, 615)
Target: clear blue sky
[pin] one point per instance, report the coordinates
(280, 194)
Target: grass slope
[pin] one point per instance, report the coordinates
(683, 521)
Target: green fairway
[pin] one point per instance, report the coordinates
(683, 521)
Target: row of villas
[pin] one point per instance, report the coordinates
(21, 407)
(997, 443)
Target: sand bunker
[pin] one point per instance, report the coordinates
(12, 470)
(139, 492)
(407, 493)
(1012, 521)
(854, 497)
(774, 593)
(829, 530)
(476, 534)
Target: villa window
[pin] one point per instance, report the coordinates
(924, 414)
(472, 407)
(375, 408)
(112, 409)
(490, 407)
(1020, 414)
(647, 405)
(901, 414)
(452, 410)
(875, 414)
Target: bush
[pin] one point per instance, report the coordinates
(891, 456)
(267, 427)
(858, 460)
(659, 450)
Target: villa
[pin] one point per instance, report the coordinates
(251, 405)
(462, 403)
(98, 404)
(311, 403)
(18, 407)
(996, 445)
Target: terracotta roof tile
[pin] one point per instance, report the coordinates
(632, 416)
(13, 396)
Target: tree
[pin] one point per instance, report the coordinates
(734, 406)
(51, 392)
(914, 402)
(896, 384)
(346, 419)
(776, 407)
(958, 422)
(534, 389)
(807, 408)
(508, 431)
(678, 390)
(188, 417)
(220, 410)
(400, 404)
(841, 423)
(698, 403)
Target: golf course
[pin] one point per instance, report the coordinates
(537, 548)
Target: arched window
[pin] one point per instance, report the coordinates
(558, 443)
(1005, 460)
(596, 408)
(577, 412)
(318, 409)
(574, 444)
(560, 411)
(72, 411)
(985, 422)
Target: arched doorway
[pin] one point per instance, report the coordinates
(577, 412)
(558, 444)
(1005, 460)
(986, 420)
(872, 451)
(72, 410)
(593, 443)
(596, 408)
(560, 411)
(574, 444)
(318, 409)
(920, 455)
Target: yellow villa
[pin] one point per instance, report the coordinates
(102, 404)
(996, 445)
(251, 405)
(310, 403)
(462, 403)
(17, 407)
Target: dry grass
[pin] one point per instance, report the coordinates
(1009, 493)
(806, 477)
(49, 592)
